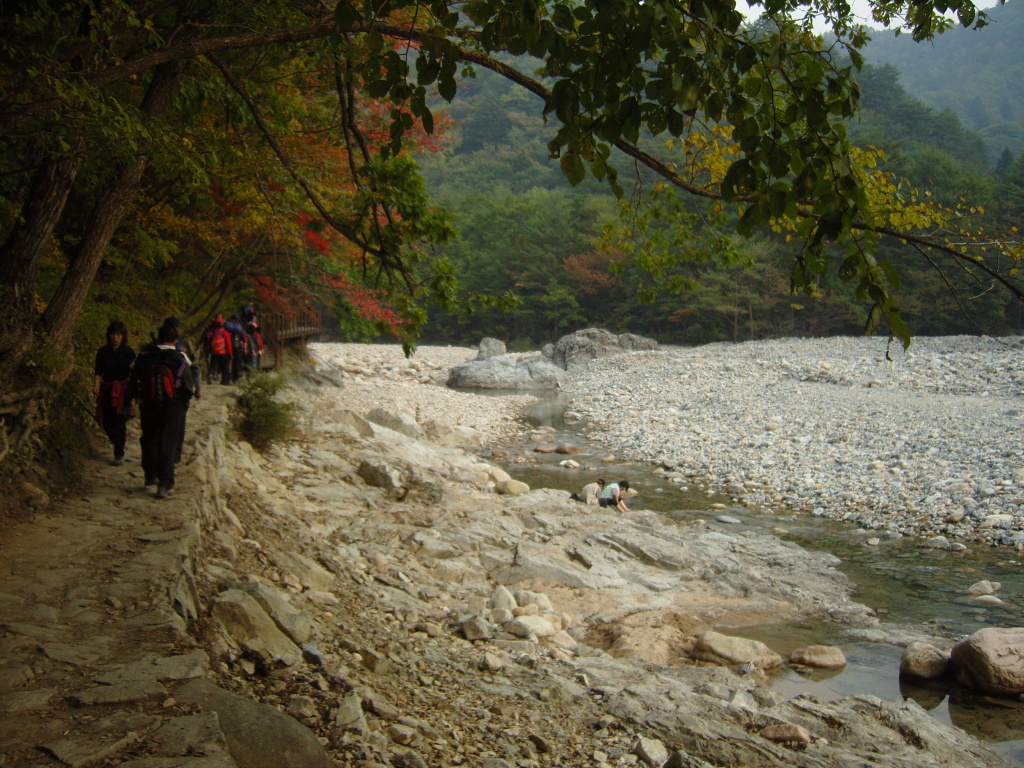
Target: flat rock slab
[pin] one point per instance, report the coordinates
(133, 692)
(75, 655)
(213, 761)
(76, 752)
(258, 735)
(168, 668)
(191, 735)
(26, 701)
(310, 573)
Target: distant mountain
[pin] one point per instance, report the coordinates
(979, 74)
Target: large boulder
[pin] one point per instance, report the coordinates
(724, 649)
(821, 656)
(923, 660)
(506, 372)
(296, 624)
(490, 347)
(402, 423)
(991, 660)
(577, 349)
(380, 474)
(248, 625)
(258, 735)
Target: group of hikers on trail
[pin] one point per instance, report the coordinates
(232, 346)
(599, 493)
(162, 379)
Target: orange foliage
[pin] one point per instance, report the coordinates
(590, 271)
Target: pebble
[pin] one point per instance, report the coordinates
(928, 444)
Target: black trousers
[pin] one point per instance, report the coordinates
(115, 424)
(237, 364)
(220, 366)
(162, 430)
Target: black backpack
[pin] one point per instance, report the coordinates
(159, 375)
(238, 340)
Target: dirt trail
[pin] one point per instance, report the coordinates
(88, 587)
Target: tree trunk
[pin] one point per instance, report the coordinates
(20, 254)
(62, 312)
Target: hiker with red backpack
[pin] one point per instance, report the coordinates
(217, 343)
(163, 383)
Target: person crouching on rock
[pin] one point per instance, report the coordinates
(611, 495)
(589, 493)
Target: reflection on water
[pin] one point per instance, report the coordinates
(905, 583)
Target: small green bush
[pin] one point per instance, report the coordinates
(520, 344)
(265, 419)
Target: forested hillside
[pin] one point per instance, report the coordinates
(976, 73)
(526, 231)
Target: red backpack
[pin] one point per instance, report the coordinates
(158, 379)
(218, 344)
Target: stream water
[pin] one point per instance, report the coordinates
(905, 584)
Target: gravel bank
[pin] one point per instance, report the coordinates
(374, 375)
(928, 443)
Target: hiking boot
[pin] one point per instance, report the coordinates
(162, 493)
(149, 481)
(118, 460)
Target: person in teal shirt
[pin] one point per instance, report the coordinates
(611, 496)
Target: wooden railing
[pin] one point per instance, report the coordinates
(278, 330)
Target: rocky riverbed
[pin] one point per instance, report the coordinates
(927, 443)
(376, 594)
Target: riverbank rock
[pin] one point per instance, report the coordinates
(402, 423)
(248, 625)
(258, 735)
(490, 347)
(821, 656)
(786, 733)
(578, 349)
(507, 372)
(923, 660)
(992, 661)
(724, 649)
(984, 587)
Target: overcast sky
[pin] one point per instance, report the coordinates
(862, 9)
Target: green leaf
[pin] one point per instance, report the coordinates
(346, 15)
(447, 87)
(572, 168)
(898, 328)
(891, 273)
(874, 320)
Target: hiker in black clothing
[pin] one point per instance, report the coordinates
(239, 346)
(162, 381)
(182, 345)
(112, 369)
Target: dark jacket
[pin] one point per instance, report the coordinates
(114, 363)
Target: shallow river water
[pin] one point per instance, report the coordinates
(905, 584)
